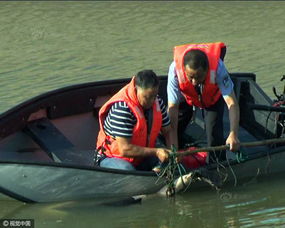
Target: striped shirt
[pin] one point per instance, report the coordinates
(120, 120)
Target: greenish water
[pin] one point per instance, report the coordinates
(254, 205)
(48, 45)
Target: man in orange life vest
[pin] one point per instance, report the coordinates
(130, 123)
(198, 76)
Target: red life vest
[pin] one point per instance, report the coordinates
(194, 160)
(140, 136)
(211, 92)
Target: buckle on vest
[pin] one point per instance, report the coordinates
(99, 155)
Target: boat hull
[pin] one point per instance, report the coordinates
(44, 183)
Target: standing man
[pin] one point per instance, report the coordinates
(130, 123)
(198, 75)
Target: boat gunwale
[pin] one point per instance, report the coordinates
(58, 91)
(87, 85)
(81, 167)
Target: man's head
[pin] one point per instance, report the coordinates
(147, 85)
(196, 66)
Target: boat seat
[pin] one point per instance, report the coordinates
(100, 101)
(53, 142)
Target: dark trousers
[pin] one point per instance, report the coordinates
(213, 117)
(215, 128)
(214, 123)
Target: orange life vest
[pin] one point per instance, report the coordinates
(140, 136)
(211, 93)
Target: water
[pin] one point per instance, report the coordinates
(48, 45)
(252, 205)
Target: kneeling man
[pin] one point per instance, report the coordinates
(130, 123)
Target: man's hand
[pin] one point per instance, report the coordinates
(162, 154)
(233, 141)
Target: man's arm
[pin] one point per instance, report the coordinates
(233, 108)
(174, 97)
(129, 150)
(227, 89)
(168, 135)
(173, 110)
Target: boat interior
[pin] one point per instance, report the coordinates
(61, 126)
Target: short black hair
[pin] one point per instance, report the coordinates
(196, 59)
(146, 79)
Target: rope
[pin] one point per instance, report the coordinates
(170, 170)
(232, 171)
(240, 156)
(173, 166)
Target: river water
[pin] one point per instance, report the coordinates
(48, 45)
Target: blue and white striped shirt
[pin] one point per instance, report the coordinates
(120, 120)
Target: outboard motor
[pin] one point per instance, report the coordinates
(280, 117)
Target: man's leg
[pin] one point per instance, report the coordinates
(185, 115)
(116, 163)
(214, 127)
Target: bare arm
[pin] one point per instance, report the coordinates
(233, 108)
(168, 135)
(129, 150)
(173, 110)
